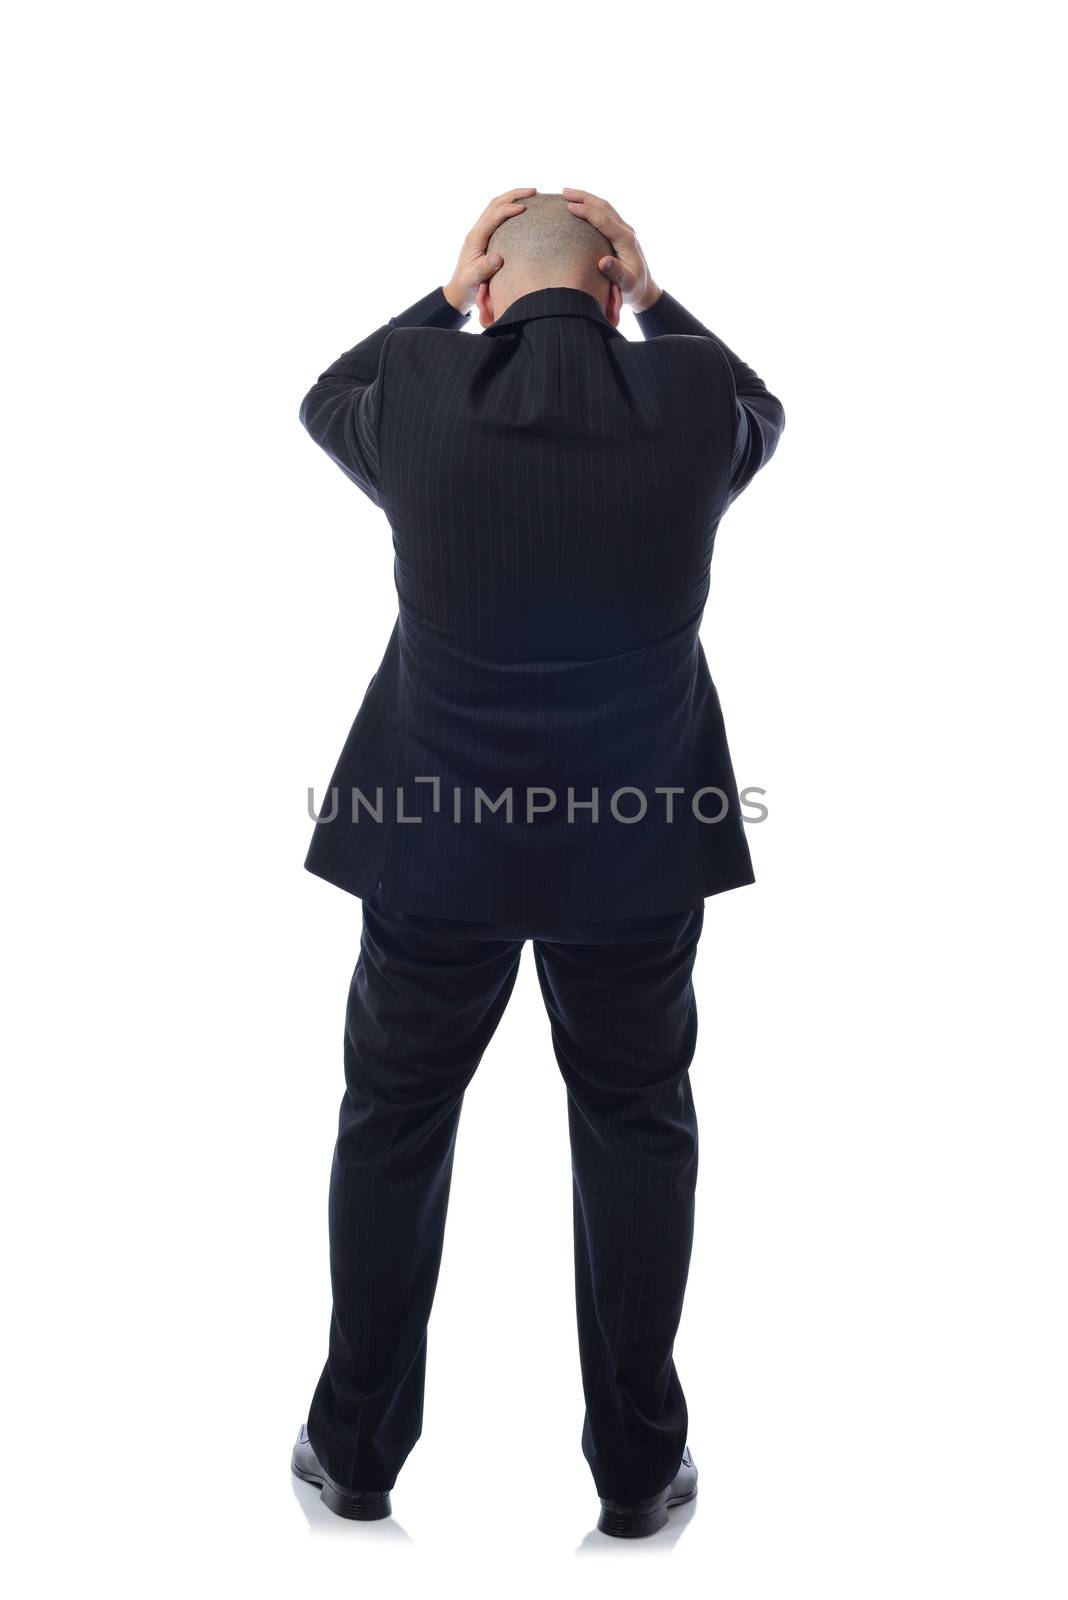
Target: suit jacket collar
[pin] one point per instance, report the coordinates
(553, 302)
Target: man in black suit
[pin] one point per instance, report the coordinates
(541, 756)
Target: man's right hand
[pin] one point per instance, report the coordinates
(627, 267)
(475, 267)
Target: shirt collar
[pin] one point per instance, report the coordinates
(552, 302)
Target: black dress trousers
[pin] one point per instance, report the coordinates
(425, 998)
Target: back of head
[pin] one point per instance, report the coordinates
(546, 246)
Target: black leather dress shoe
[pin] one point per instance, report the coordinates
(353, 1503)
(648, 1516)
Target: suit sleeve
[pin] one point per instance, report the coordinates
(759, 416)
(342, 408)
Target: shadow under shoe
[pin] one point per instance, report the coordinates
(357, 1505)
(649, 1516)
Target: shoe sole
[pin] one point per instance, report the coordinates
(618, 1525)
(346, 1505)
(640, 1524)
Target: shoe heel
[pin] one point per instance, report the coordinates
(632, 1524)
(370, 1508)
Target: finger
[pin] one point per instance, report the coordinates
(602, 216)
(596, 201)
(510, 197)
(614, 270)
(486, 266)
(492, 218)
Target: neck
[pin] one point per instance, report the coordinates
(502, 295)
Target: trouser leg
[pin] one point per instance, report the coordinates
(422, 1007)
(624, 1028)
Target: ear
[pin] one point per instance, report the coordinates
(615, 302)
(485, 310)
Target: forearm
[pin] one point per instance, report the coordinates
(341, 409)
(359, 366)
(668, 315)
(760, 414)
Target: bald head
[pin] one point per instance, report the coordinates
(546, 246)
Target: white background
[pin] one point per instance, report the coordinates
(207, 204)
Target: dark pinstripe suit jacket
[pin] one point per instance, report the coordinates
(542, 740)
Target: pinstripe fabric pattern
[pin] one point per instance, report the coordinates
(425, 999)
(554, 492)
